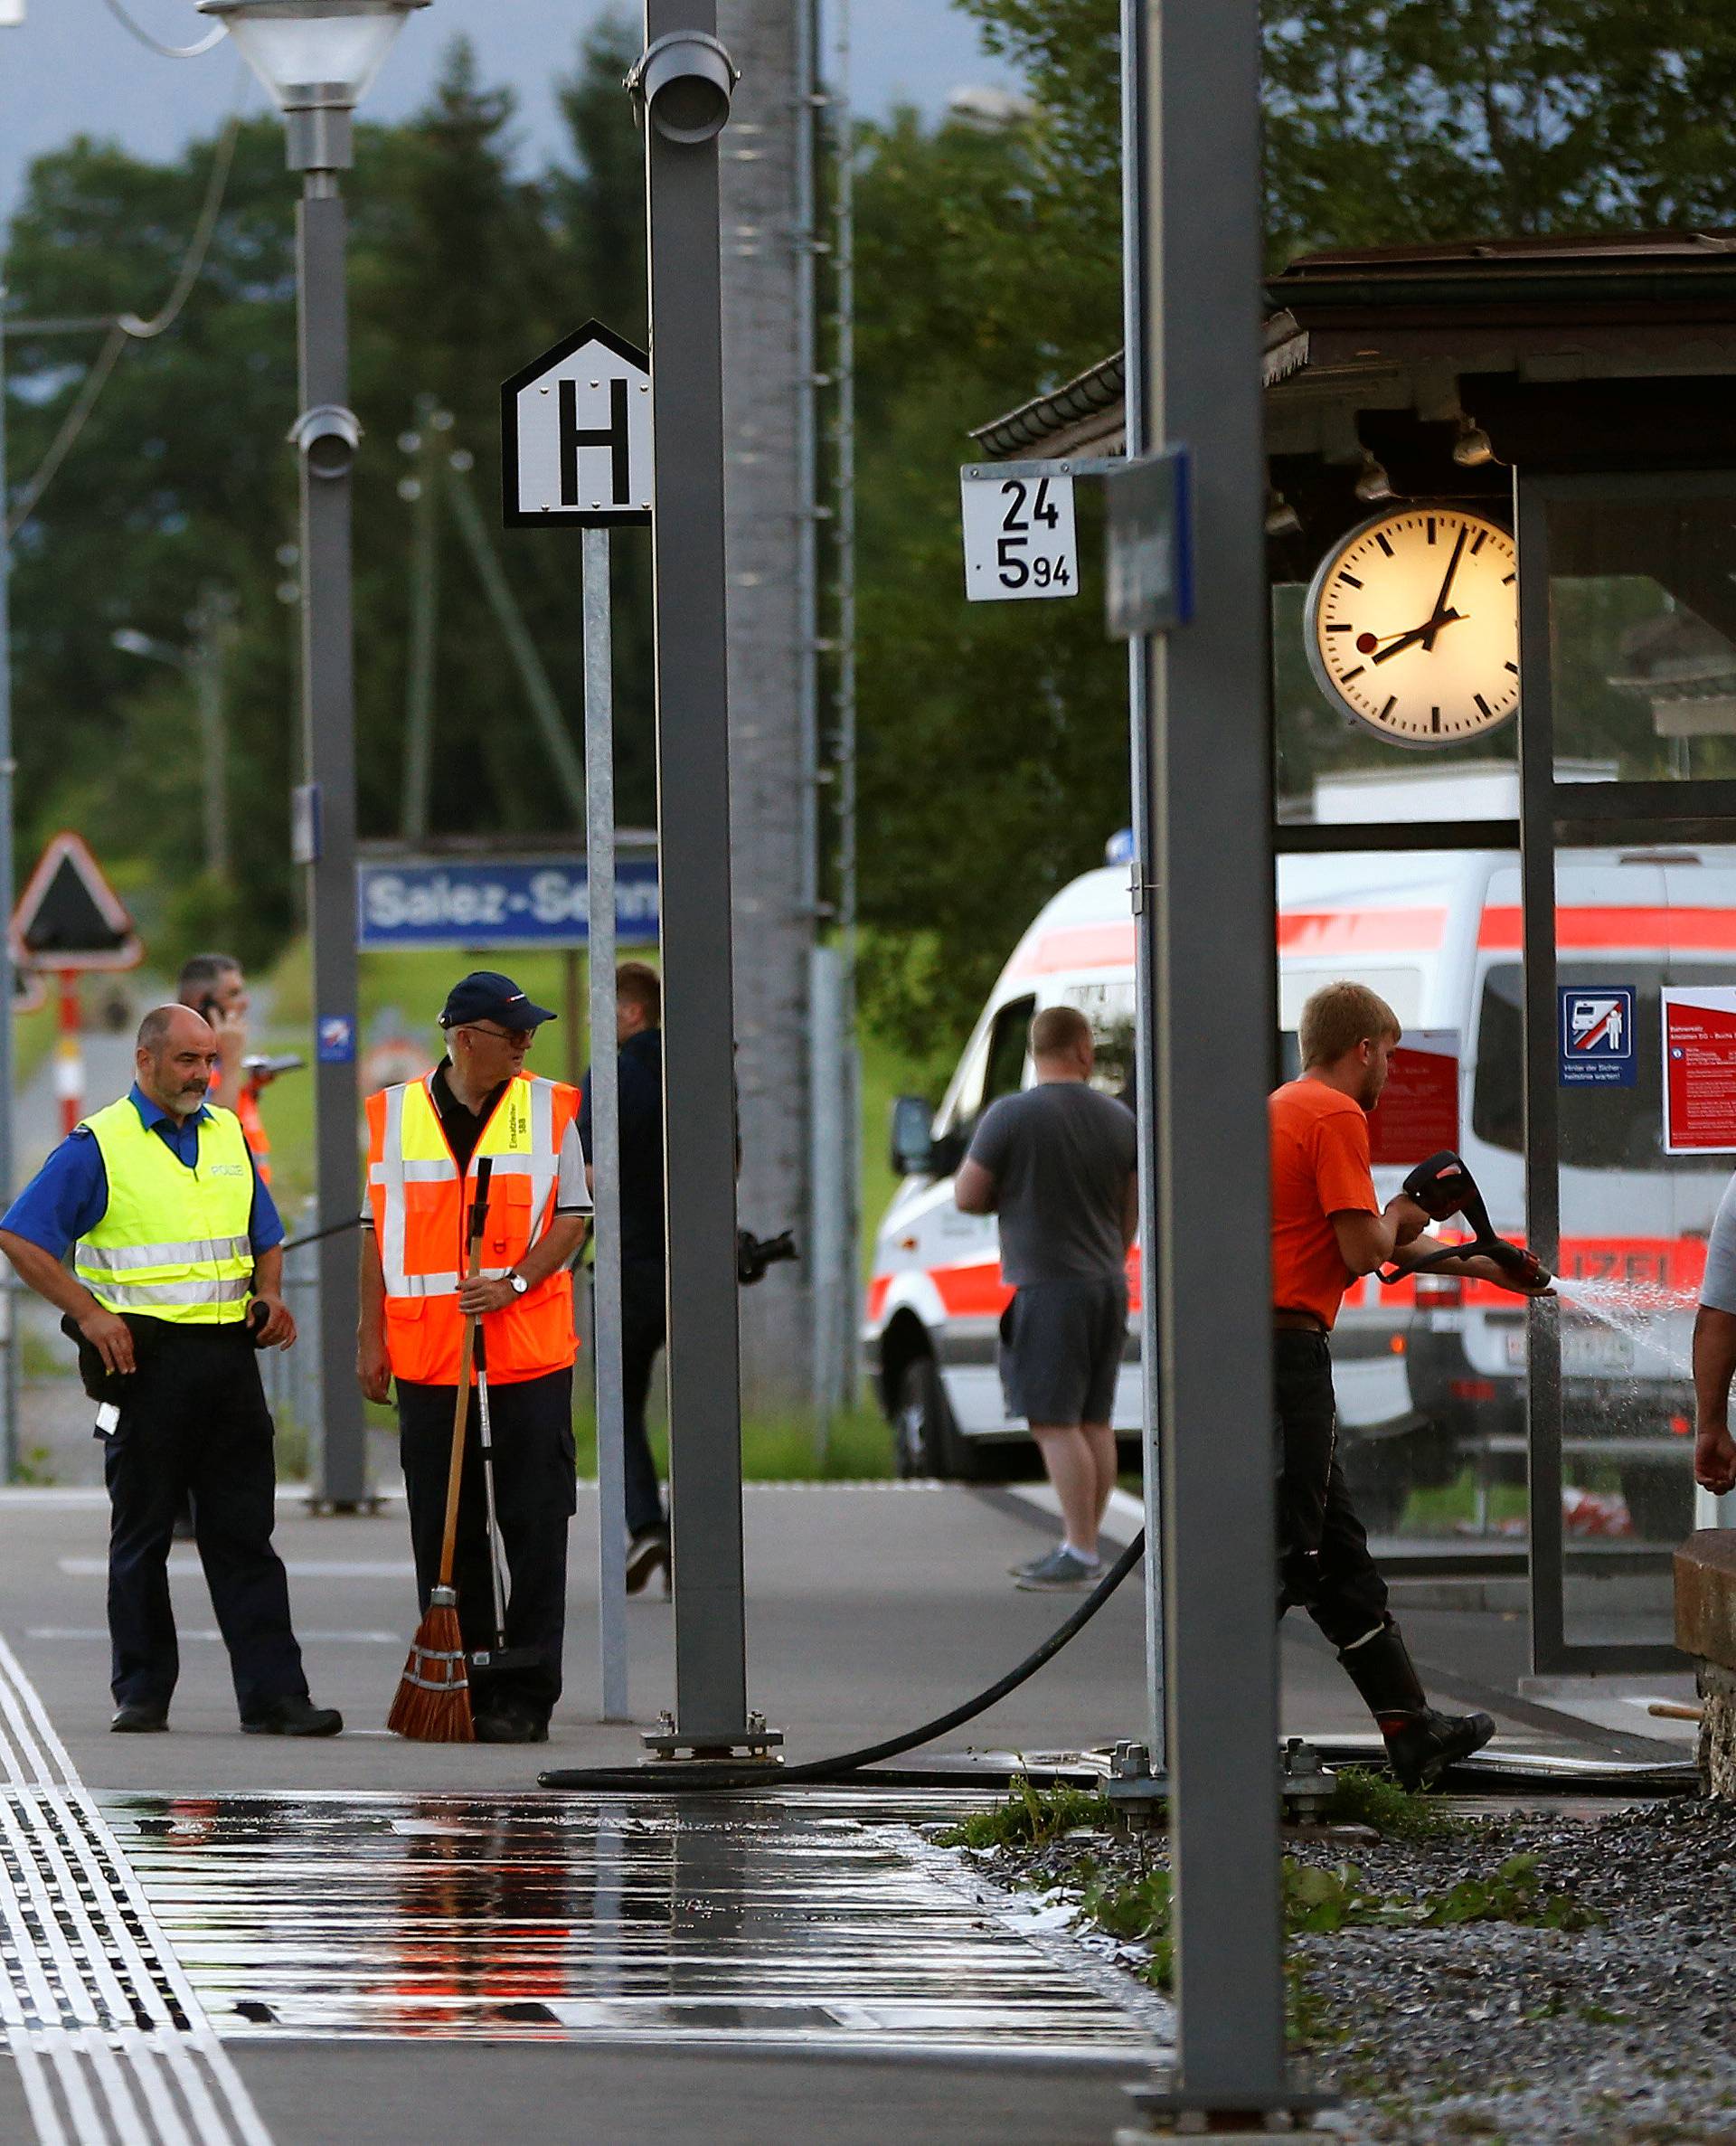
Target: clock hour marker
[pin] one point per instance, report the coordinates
(1337, 625)
(1357, 673)
(1431, 529)
(1434, 719)
(1482, 538)
(1350, 580)
(1507, 580)
(1392, 702)
(1383, 544)
(1513, 667)
(1482, 704)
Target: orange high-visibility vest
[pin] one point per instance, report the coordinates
(247, 1109)
(420, 1208)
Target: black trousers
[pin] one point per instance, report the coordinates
(1324, 1564)
(644, 1330)
(535, 1496)
(194, 1419)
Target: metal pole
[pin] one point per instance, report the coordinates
(8, 1326)
(1135, 122)
(605, 1131)
(694, 821)
(844, 241)
(328, 706)
(1210, 926)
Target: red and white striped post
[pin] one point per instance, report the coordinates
(68, 1058)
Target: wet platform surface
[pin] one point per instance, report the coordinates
(778, 1921)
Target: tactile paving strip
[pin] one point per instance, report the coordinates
(546, 1918)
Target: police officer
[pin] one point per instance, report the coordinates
(424, 1141)
(177, 1277)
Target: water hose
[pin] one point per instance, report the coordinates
(707, 1775)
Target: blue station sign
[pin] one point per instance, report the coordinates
(499, 903)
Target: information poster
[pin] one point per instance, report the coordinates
(1700, 1071)
(1417, 1113)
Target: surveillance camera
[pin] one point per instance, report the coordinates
(328, 437)
(684, 83)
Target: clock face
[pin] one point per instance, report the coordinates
(1413, 626)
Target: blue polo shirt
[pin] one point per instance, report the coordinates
(69, 1195)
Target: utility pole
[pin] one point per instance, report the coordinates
(770, 507)
(419, 489)
(207, 663)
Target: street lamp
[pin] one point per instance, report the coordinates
(317, 59)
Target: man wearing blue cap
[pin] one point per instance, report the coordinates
(426, 1139)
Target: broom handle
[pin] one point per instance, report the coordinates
(461, 1407)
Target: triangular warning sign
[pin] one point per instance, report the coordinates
(70, 917)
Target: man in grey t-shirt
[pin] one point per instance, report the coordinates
(1714, 1354)
(1058, 1163)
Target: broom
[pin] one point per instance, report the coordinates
(433, 1701)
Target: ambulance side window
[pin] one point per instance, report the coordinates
(1008, 1043)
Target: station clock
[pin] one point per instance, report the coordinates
(1412, 625)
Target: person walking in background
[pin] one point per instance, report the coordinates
(1058, 1164)
(1328, 1227)
(424, 1141)
(177, 1281)
(1714, 1354)
(638, 1035)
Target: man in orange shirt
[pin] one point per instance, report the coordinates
(1328, 1227)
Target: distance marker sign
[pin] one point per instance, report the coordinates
(1019, 540)
(575, 435)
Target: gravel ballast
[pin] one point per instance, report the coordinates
(1612, 2035)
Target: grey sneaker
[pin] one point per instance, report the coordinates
(1030, 1565)
(1059, 1572)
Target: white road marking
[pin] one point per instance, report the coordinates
(90, 1993)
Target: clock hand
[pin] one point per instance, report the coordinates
(1446, 586)
(1424, 633)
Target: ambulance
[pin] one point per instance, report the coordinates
(1430, 1374)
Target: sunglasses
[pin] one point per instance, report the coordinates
(515, 1036)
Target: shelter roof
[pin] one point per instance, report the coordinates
(1398, 327)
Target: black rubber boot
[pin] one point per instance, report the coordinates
(1422, 1742)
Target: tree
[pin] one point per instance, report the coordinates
(993, 736)
(461, 270)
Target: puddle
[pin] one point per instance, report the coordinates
(777, 1920)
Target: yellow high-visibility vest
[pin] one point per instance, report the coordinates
(174, 1243)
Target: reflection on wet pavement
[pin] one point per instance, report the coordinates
(547, 1918)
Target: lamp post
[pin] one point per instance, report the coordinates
(202, 663)
(317, 59)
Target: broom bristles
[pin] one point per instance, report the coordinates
(433, 1701)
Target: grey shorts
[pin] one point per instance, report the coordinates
(1061, 1345)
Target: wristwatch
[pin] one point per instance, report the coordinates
(518, 1281)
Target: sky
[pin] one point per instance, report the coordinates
(71, 66)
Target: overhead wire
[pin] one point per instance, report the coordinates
(128, 327)
(168, 51)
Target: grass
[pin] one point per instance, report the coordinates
(1360, 1798)
(1031, 1818)
(1445, 1509)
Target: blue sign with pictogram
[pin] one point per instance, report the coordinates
(337, 1040)
(1597, 1036)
